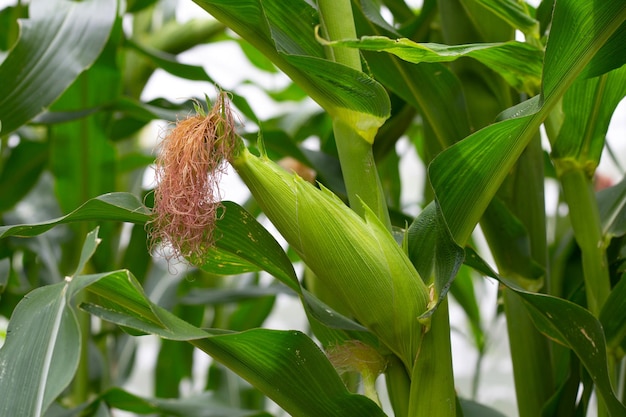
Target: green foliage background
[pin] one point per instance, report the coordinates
(80, 287)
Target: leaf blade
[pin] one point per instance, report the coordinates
(60, 40)
(112, 206)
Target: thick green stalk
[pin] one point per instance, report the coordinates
(337, 23)
(523, 195)
(398, 386)
(432, 378)
(355, 151)
(583, 212)
(531, 372)
(359, 172)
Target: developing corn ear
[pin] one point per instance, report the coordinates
(356, 257)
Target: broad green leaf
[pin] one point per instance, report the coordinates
(85, 141)
(612, 206)
(474, 409)
(587, 108)
(231, 295)
(243, 245)
(576, 328)
(9, 20)
(5, 273)
(512, 250)
(21, 171)
(122, 207)
(52, 117)
(478, 165)
(611, 56)
(282, 364)
(568, 324)
(251, 314)
(518, 63)
(514, 12)
(155, 109)
(290, 93)
(433, 252)
(327, 316)
(169, 63)
(286, 37)
(256, 58)
(469, 20)
(60, 40)
(613, 315)
(41, 351)
(134, 6)
(567, 52)
(349, 95)
(195, 406)
(429, 88)
(42, 348)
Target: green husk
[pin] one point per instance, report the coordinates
(356, 257)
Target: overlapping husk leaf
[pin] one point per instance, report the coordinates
(355, 257)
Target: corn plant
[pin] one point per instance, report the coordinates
(89, 252)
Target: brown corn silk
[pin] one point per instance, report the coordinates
(189, 166)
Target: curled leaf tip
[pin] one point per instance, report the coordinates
(191, 160)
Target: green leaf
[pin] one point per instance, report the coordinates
(282, 364)
(41, 352)
(518, 63)
(513, 252)
(169, 63)
(256, 58)
(479, 164)
(577, 329)
(514, 12)
(85, 141)
(231, 295)
(5, 273)
(346, 93)
(42, 348)
(9, 21)
(195, 406)
(611, 56)
(60, 40)
(21, 171)
(474, 409)
(433, 252)
(612, 206)
(122, 207)
(286, 37)
(613, 315)
(568, 324)
(243, 245)
(246, 246)
(588, 107)
(429, 88)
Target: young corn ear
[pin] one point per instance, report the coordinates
(357, 258)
